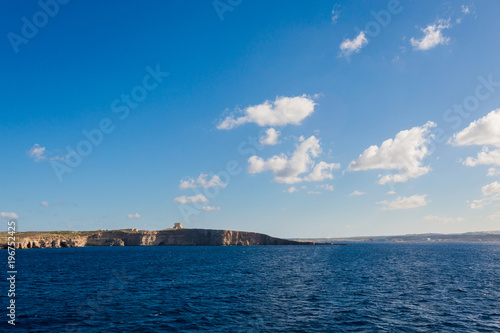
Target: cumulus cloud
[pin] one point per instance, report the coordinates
(492, 172)
(270, 138)
(199, 198)
(210, 208)
(44, 203)
(288, 169)
(485, 131)
(350, 46)
(292, 189)
(404, 202)
(442, 219)
(202, 182)
(491, 193)
(8, 216)
(482, 132)
(283, 111)
(404, 153)
(433, 36)
(37, 153)
(356, 193)
(134, 216)
(313, 192)
(391, 193)
(486, 157)
(322, 171)
(465, 9)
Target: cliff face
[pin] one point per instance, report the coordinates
(48, 241)
(148, 238)
(216, 237)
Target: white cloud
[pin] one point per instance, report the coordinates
(350, 46)
(482, 132)
(465, 10)
(478, 204)
(356, 193)
(210, 208)
(491, 193)
(486, 157)
(326, 187)
(322, 171)
(270, 138)
(44, 203)
(335, 14)
(433, 36)
(292, 189)
(491, 188)
(134, 216)
(202, 182)
(313, 192)
(492, 172)
(391, 193)
(403, 153)
(37, 153)
(442, 219)
(404, 202)
(199, 198)
(288, 169)
(8, 216)
(283, 111)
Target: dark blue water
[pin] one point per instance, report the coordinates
(424, 287)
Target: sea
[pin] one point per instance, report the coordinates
(361, 287)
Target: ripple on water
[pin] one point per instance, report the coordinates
(452, 287)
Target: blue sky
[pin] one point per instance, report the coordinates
(175, 93)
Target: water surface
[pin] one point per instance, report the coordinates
(364, 287)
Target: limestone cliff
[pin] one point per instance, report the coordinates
(30, 240)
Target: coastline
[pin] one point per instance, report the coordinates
(134, 237)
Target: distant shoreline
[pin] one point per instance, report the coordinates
(480, 236)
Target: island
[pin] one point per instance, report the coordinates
(135, 237)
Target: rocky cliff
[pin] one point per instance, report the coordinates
(28, 240)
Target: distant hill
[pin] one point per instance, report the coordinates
(480, 236)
